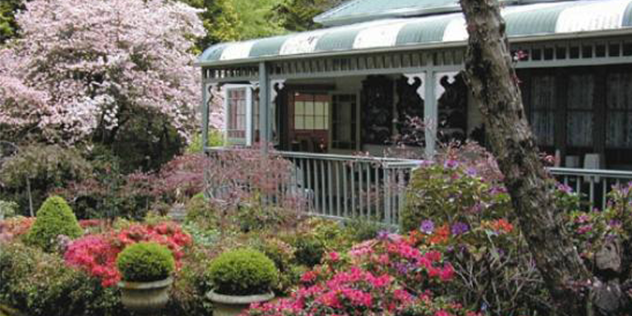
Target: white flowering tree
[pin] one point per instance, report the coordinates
(83, 69)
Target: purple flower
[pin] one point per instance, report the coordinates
(427, 227)
(450, 164)
(471, 171)
(564, 188)
(460, 228)
(383, 234)
(584, 229)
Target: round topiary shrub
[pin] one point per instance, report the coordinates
(145, 262)
(242, 272)
(54, 218)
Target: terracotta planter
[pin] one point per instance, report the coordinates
(229, 305)
(145, 297)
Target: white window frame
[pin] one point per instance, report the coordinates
(249, 132)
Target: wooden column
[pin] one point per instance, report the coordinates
(205, 112)
(431, 114)
(264, 108)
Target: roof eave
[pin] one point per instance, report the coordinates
(428, 46)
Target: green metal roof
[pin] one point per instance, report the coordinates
(533, 21)
(355, 11)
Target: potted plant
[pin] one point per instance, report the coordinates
(240, 277)
(146, 270)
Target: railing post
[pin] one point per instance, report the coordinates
(205, 113)
(264, 107)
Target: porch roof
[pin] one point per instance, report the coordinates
(535, 22)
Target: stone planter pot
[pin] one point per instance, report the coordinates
(145, 298)
(229, 305)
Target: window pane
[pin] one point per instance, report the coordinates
(309, 108)
(320, 123)
(298, 122)
(319, 108)
(299, 108)
(309, 122)
(580, 128)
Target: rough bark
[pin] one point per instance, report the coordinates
(494, 85)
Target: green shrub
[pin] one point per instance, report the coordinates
(450, 193)
(215, 138)
(47, 167)
(54, 218)
(145, 262)
(200, 211)
(242, 272)
(282, 254)
(360, 229)
(8, 209)
(41, 284)
(309, 249)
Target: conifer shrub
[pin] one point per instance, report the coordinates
(145, 262)
(54, 218)
(242, 271)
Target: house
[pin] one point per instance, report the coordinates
(323, 95)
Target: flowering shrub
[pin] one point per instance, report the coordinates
(386, 276)
(398, 256)
(450, 191)
(96, 254)
(15, 227)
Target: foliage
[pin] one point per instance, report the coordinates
(246, 175)
(8, 209)
(54, 218)
(283, 256)
(371, 284)
(96, 254)
(215, 139)
(242, 272)
(85, 70)
(219, 20)
(15, 227)
(46, 167)
(254, 21)
(297, 15)
(8, 26)
(145, 262)
(41, 285)
(189, 289)
(448, 191)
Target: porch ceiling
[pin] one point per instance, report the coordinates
(538, 21)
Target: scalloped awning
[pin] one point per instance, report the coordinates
(534, 20)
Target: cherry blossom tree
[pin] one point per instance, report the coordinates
(83, 69)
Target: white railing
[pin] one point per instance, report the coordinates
(593, 185)
(344, 186)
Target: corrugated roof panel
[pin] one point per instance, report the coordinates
(268, 46)
(527, 20)
(627, 16)
(425, 30)
(536, 19)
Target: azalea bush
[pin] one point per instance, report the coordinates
(40, 284)
(96, 254)
(385, 276)
(451, 190)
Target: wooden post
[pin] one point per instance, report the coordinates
(205, 113)
(264, 108)
(431, 115)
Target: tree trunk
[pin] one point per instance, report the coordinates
(494, 85)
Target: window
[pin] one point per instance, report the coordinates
(579, 116)
(542, 114)
(311, 111)
(238, 110)
(619, 107)
(344, 121)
